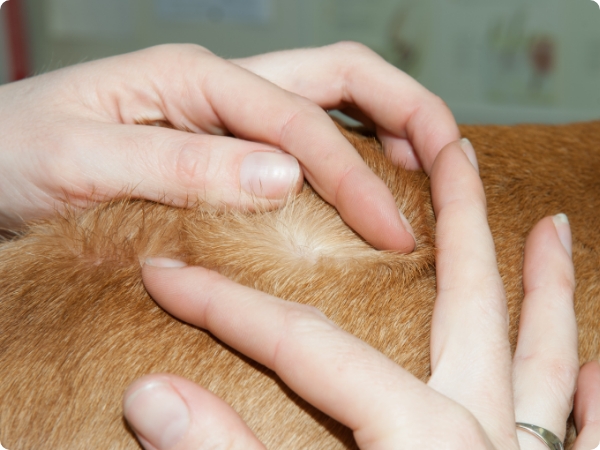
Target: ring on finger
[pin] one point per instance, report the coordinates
(546, 436)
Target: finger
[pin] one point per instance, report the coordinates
(399, 150)
(351, 74)
(168, 412)
(545, 362)
(384, 405)
(227, 96)
(356, 114)
(470, 353)
(177, 167)
(587, 407)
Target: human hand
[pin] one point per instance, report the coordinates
(71, 135)
(477, 391)
(586, 410)
(412, 123)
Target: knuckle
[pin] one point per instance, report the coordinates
(351, 56)
(68, 161)
(193, 49)
(466, 431)
(558, 375)
(565, 287)
(300, 318)
(300, 119)
(352, 47)
(170, 49)
(191, 165)
(217, 441)
(438, 100)
(438, 103)
(300, 321)
(304, 109)
(561, 377)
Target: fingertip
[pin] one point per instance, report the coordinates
(467, 147)
(452, 155)
(167, 263)
(399, 151)
(404, 156)
(409, 229)
(454, 176)
(219, 170)
(297, 187)
(368, 207)
(563, 228)
(554, 230)
(543, 229)
(404, 242)
(547, 258)
(270, 175)
(156, 412)
(175, 288)
(167, 412)
(157, 269)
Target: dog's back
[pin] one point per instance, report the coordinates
(77, 327)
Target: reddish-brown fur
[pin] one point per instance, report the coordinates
(77, 326)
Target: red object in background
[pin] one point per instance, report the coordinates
(17, 39)
(542, 52)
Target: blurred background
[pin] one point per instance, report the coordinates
(492, 61)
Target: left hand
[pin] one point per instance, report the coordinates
(477, 391)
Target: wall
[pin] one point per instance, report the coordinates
(502, 62)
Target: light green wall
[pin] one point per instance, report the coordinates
(450, 45)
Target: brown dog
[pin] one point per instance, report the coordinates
(77, 326)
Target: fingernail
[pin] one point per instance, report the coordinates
(561, 223)
(408, 227)
(157, 414)
(164, 262)
(269, 174)
(470, 152)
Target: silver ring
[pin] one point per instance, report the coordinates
(547, 437)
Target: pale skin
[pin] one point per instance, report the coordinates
(477, 390)
(71, 135)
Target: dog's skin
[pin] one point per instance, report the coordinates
(77, 326)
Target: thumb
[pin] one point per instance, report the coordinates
(181, 168)
(169, 412)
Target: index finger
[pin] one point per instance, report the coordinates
(255, 109)
(349, 73)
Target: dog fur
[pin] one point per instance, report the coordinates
(77, 326)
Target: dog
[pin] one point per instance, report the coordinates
(77, 326)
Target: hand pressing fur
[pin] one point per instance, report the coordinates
(257, 126)
(477, 390)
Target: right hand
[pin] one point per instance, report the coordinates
(477, 391)
(71, 135)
